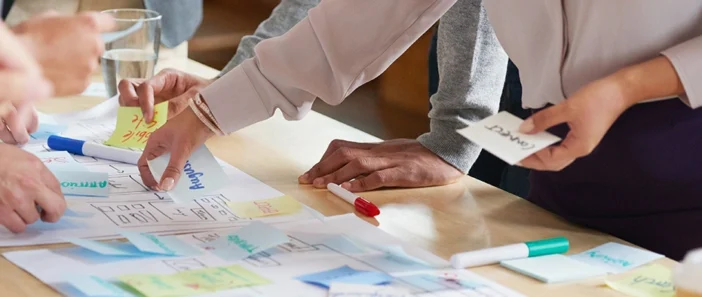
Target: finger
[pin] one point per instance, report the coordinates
(27, 211)
(127, 92)
(145, 92)
(12, 221)
(16, 127)
(153, 150)
(556, 158)
(52, 205)
(179, 155)
(99, 21)
(50, 181)
(355, 168)
(338, 143)
(30, 118)
(391, 177)
(545, 119)
(334, 162)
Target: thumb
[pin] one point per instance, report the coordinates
(544, 119)
(174, 169)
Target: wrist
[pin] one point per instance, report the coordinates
(627, 82)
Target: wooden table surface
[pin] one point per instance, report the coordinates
(464, 216)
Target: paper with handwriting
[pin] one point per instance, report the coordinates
(648, 281)
(616, 258)
(267, 207)
(132, 131)
(252, 239)
(499, 135)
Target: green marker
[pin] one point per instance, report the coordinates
(556, 245)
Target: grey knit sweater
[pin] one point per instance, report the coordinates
(472, 68)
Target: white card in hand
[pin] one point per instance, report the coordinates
(499, 135)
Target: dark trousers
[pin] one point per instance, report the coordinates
(489, 168)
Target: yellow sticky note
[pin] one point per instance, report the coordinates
(193, 282)
(267, 207)
(650, 281)
(132, 131)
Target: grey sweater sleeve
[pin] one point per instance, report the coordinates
(285, 16)
(472, 68)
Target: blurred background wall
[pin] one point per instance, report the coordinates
(393, 106)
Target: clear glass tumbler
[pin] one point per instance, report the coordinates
(131, 49)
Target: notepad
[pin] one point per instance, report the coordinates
(499, 135)
(649, 281)
(553, 268)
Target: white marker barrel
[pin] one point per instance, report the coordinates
(523, 250)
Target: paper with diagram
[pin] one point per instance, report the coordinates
(273, 272)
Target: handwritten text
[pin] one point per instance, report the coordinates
(513, 138)
(193, 176)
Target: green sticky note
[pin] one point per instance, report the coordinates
(193, 282)
(132, 131)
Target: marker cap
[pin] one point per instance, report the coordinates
(366, 207)
(70, 145)
(550, 246)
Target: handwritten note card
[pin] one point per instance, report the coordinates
(132, 131)
(553, 268)
(193, 282)
(499, 135)
(616, 258)
(347, 275)
(95, 286)
(355, 290)
(60, 161)
(263, 208)
(201, 175)
(252, 239)
(84, 183)
(164, 245)
(649, 281)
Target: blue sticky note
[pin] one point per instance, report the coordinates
(83, 183)
(60, 161)
(252, 239)
(347, 275)
(100, 247)
(46, 130)
(616, 258)
(201, 175)
(63, 224)
(77, 214)
(95, 286)
(90, 257)
(165, 245)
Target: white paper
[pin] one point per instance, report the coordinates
(96, 89)
(553, 268)
(131, 205)
(304, 254)
(499, 135)
(353, 290)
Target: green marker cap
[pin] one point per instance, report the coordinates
(550, 246)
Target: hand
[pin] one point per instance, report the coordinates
(67, 47)
(393, 163)
(180, 136)
(26, 183)
(589, 113)
(170, 85)
(21, 83)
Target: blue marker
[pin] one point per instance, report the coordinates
(90, 149)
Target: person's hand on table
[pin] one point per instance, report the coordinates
(589, 113)
(180, 137)
(170, 85)
(25, 186)
(367, 166)
(68, 48)
(21, 84)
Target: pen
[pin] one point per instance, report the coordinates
(556, 245)
(90, 149)
(362, 205)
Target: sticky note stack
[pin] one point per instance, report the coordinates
(132, 131)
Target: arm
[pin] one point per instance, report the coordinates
(341, 45)
(286, 15)
(472, 68)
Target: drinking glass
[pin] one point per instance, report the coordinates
(131, 49)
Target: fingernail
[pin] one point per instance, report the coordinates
(318, 182)
(527, 126)
(346, 185)
(167, 183)
(305, 178)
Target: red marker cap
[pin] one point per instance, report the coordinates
(366, 207)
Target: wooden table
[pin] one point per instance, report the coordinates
(463, 216)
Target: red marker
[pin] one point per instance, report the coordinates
(362, 205)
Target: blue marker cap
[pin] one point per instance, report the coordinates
(58, 143)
